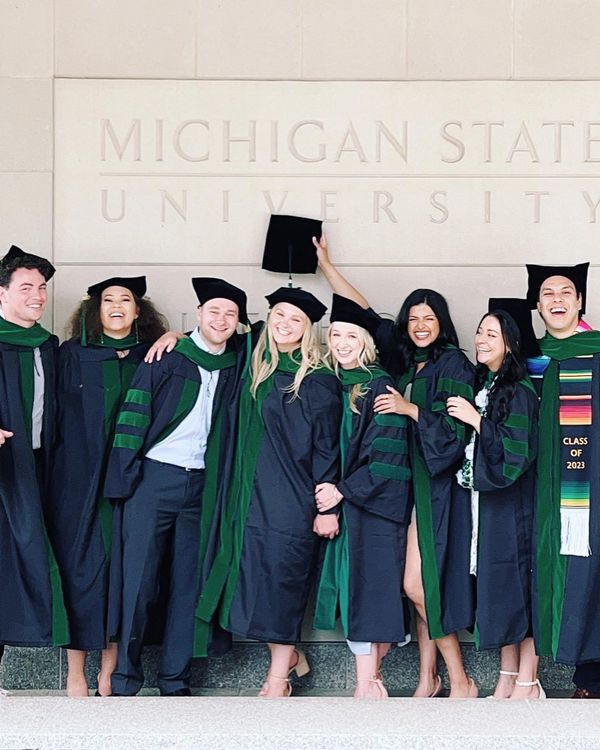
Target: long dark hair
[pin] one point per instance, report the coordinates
(405, 348)
(150, 324)
(509, 373)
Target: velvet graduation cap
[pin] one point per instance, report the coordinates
(15, 252)
(538, 274)
(306, 301)
(135, 284)
(344, 310)
(289, 247)
(520, 312)
(208, 287)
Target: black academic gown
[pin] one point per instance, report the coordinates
(279, 553)
(31, 603)
(443, 508)
(375, 514)
(92, 384)
(504, 475)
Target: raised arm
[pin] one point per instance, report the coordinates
(337, 282)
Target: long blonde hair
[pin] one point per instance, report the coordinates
(367, 356)
(310, 357)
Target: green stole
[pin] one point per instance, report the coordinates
(551, 565)
(423, 509)
(117, 375)
(30, 339)
(222, 579)
(333, 594)
(211, 362)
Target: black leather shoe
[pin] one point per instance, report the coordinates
(181, 693)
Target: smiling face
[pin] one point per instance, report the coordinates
(489, 343)
(218, 319)
(118, 310)
(346, 343)
(559, 305)
(24, 299)
(287, 324)
(423, 325)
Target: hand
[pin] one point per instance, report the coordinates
(394, 403)
(327, 496)
(166, 343)
(327, 526)
(4, 435)
(322, 251)
(459, 408)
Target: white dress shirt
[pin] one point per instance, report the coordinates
(186, 445)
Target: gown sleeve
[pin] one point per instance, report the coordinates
(380, 482)
(124, 464)
(441, 438)
(325, 404)
(506, 450)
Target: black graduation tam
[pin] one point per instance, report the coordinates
(135, 284)
(306, 301)
(207, 287)
(538, 274)
(289, 247)
(520, 312)
(345, 310)
(47, 269)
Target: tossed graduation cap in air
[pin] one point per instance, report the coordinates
(520, 311)
(209, 287)
(15, 252)
(538, 274)
(289, 247)
(306, 301)
(344, 310)
(135, 284)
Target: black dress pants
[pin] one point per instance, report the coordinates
(161, 519)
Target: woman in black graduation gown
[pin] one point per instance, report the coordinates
(110, 333)
(287, 444)
(499, 471)
(361, 578)
(421, 352)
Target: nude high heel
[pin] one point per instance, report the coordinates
(265, 687)
(381, 689)
(301, 667)
(542, 692)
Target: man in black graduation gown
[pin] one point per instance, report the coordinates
(567, 571)
(165, 467)
(31, 603)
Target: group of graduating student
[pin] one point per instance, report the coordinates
(183, 491)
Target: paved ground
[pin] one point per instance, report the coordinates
(232, 723)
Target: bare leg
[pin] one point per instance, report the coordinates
(461, 686)
(276, 685)
(107, 667)
(413, 586)
(382, 652)
(528, 665)
(366, 673)
(509, 662)
(76, 683)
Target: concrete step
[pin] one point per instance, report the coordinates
(147, 723)
(244, 668)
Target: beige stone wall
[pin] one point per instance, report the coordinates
(463, 226)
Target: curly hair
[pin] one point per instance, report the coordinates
(150, 324)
